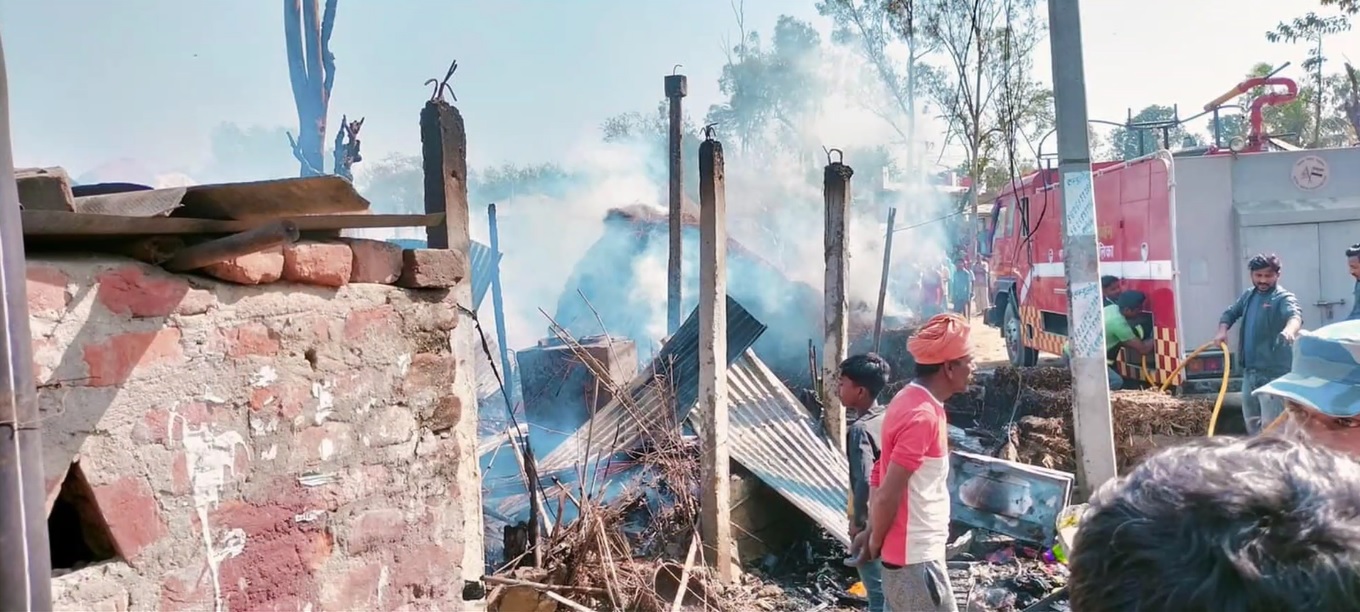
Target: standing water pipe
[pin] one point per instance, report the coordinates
(26, 573)
(498, 300)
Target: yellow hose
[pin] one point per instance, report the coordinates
(1222, 389)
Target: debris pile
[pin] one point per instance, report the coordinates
(1034, 407)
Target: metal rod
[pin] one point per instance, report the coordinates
(208, 253)
(26, 573)
(1091, 406)
(836, 191)
(883, 279)
(716, 507)
(497, 299)
(677, 86)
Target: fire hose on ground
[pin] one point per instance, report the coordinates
(1222, 388)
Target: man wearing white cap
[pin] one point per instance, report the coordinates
(1321, 392)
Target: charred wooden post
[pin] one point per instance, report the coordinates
(836, 189)
(716, 503)
(444, 160)
(677, 86)
(443, 142)
(883, 280)
(26, 574)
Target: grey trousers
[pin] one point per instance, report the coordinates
(919, 587)
(1257, 410)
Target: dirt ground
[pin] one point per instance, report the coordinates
(989, 348)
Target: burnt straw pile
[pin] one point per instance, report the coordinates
(1031, 409)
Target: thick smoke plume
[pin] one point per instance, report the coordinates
(556, 245)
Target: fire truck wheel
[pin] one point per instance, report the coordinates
(1013, 331)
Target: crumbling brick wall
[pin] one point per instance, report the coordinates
(244, 448)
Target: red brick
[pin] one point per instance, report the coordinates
(327, 264)
(251, 339)
(358, 590)
(276, 570)
(374, 528)
(114, 360)
(424, 569)
(365, 325)
(130, 509)
(180, 484)
(129, 291)
(287, 400)
(188, 588)
(196, 302)
(253, 269)
(444, 413)
(432, 268)
(375, 261)
(47, 290)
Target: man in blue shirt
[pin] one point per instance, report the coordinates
(961, 288)
(1271, 319)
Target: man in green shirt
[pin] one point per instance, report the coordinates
(1119, 332)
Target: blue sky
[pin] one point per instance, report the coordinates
(96, 80)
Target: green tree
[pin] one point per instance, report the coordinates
(772, 90)
(988, 48)
(1313, 29)
(870, 27)
(1129, 143)
(1229, 127)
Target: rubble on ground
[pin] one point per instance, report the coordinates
(1034, 405)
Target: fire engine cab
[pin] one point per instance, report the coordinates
(1180, 227)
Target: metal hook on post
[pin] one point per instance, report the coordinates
(838, 152)
(676, 69)
(442, 86)
(709, 131)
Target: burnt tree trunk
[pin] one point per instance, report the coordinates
(311, 70)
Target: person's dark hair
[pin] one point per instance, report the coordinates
(1131, 299)
(868, 370)
(1354, 251)
(1264, 261)
(1266, 524)
(1108, 280)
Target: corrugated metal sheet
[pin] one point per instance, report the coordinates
(483, 266)
(779, 441)
(675, 368)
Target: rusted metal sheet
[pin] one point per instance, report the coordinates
(778, 440)
(675, 370)
(483, 266)
(143, 203)
(1014, 499)
(68, 224)
(313, 195)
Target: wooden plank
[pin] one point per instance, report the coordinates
(58, 223)
(313, 195)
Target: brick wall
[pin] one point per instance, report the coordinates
(272, 447)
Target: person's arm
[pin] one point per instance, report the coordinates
(895, 468)
(1230, 317)
(861, 455)
(1291, 308)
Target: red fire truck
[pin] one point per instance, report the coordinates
(1179, 227)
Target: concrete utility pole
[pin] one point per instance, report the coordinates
(1091, 407)
(716, 509)
(836, 188)
(677, 86)
(26, 574)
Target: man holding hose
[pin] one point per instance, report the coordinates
(1271, 319)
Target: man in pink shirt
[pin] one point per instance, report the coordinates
(909, 495)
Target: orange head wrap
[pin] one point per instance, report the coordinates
(942, 339)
